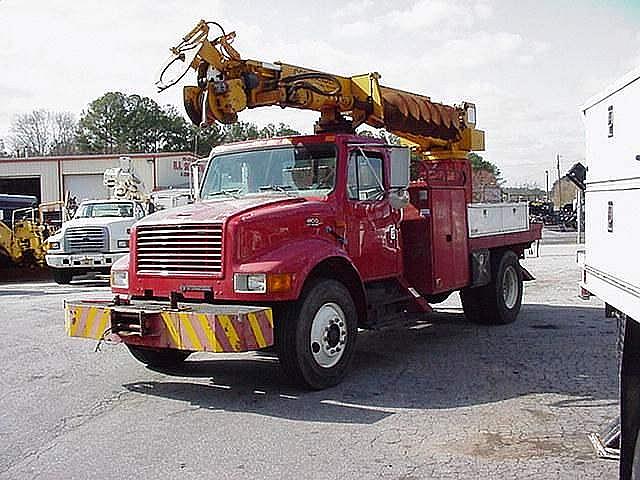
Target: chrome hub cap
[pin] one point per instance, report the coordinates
(510, 287)
(328, 335)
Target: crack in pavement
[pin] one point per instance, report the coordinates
(66, 425)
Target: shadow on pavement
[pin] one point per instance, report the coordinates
(446, 363)
(38, 290)
(13, 274)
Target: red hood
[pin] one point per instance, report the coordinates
(215, 210)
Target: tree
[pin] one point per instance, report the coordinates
(64, 128)
(280, 130)
(382, 134)
(102, 126)
(119, 123)
(42, 132)
(215, 134)
(479, 163)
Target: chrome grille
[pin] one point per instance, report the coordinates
(85, 239)
(186, 249)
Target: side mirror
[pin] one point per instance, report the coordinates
(194, 179)
(400, 158)
(578, 175)
(398, 198)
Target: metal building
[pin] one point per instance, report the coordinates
(53, 178)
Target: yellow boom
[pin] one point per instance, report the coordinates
(227, 84)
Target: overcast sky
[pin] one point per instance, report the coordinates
(528, 65)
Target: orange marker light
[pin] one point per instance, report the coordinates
(279, 282)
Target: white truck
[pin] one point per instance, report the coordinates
(93, 239)
(611, 268)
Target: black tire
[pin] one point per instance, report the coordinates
(491, 304)
(61, 276)
(322, 302)
(635, 463)
(163, 357)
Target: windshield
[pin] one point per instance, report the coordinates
(110, 209)
(301, 170)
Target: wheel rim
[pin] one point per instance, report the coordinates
(328, 335)
(510, 287)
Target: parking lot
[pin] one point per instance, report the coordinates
(444, 399)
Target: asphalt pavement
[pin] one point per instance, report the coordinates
(443, 400)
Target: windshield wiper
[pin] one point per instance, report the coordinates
(277, 188)
(232, 192)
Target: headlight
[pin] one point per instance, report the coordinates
(53, 245)
(250, 283)
(123, 243)
(120, 278)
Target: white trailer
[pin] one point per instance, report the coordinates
(612, 228)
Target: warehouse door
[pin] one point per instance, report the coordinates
(21, 186)
(85, 187)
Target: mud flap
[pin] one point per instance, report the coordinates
(526, 275)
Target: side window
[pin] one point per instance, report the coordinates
(365, 178)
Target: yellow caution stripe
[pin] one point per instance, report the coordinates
(239, 331)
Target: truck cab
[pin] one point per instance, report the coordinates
(94, 239)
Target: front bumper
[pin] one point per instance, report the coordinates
(83, 260)
(193, 327)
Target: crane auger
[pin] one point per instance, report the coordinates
(227, 84)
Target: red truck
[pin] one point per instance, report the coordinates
(299, 242)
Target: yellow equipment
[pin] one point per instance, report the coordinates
(24, 242)
(227, 84)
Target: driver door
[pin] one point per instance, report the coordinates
(372, 229)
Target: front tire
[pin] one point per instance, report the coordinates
(158, 357)
(499, 302)
(61, 276)
(316, 336)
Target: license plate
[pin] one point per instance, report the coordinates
(86, 261)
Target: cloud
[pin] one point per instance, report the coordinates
(12, 92)
(431, 13)
(425, 14)
(482, 49)
(483, 10)
(357, 8)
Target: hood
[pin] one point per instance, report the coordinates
(98, 222)
(217, 210)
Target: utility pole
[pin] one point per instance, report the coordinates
(559, 182)
(546, 172)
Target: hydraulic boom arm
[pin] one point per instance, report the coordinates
(227, 84)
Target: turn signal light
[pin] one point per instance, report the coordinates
(279, 282)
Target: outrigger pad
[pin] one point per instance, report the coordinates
(607, 441)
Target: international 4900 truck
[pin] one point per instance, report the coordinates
(299, 242)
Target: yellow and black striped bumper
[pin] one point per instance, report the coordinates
(198, 327)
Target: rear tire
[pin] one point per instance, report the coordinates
(499, 302)
(635, 464)
(316, 336)
(163, 357)
(61, 276)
